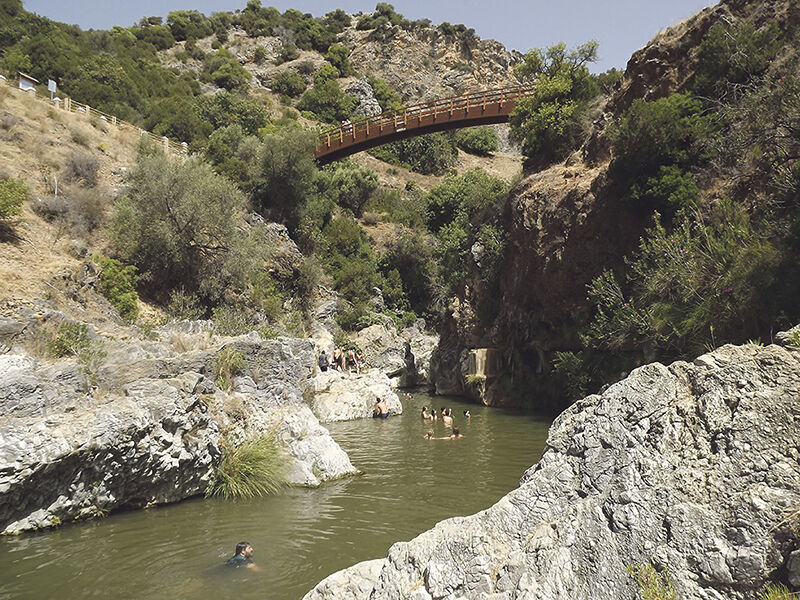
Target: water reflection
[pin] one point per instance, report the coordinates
(300, 536)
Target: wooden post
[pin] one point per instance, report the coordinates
(367, 127)
(395, 120)
(451, 107)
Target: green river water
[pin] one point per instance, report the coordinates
(300, 536)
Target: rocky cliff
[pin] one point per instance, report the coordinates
(566, 225)
(692, 468)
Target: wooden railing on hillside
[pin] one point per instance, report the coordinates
(72, 106)
(447, 113)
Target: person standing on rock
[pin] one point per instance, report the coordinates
(323, 361)
(337, 354)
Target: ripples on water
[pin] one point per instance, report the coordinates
(301, 535)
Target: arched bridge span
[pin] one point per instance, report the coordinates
(479, 108)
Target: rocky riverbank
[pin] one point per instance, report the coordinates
(692, 468)
(134, 423)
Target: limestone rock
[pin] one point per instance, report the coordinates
(422, 347)
(337, 396)
(367, 103)
(688, 467)
(385, 350)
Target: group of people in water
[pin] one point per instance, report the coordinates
(446, 415)
(341, 360)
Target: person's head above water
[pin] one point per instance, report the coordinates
(244, 549)
(456, 432)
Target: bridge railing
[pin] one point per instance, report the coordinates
(399, 120)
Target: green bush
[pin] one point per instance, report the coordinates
(71, 339)
(266, 295)
(288, 82)
(650, 135)
(386, 96)
(477, 140)
(327, 100)
(348, 184)
(572, 374)
(224, 70)
(431, 154)
(12, 194)
(734, 54)
(255, 467)
(707, 281)
(339, 56)
(259, 54)
(652, 584)
(670, 191)
(231, 320)
(229, 364)
(356, 318)
(118, 285)
(412, 257)
(468, 193)
(778, 591)
(184, 305)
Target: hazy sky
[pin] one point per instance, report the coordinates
(621, 26)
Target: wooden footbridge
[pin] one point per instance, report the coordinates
(480, 108)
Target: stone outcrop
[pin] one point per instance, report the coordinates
(386, 351)
(692, 468)
(367, 103)
(337, 396)
(422, 346)
(146, 428)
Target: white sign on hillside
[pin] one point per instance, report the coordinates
(51, 86)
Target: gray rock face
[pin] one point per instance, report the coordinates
(367, 103)
(150, 433)
(692, 467)
(341, 397)
(386, 351)
(422, 348)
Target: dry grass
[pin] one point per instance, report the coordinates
(189, 342)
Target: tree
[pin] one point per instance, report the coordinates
(177, 223)
(348, 184)
(285, 174)
(288, 82)
(549, 122)
(327, 100)
(477, 140)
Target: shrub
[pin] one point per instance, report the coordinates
(288, 82)
(650, 135)
(230, 363)
(733, 54)
(12, 194)
(670, 191)
(708, 280)
(287, 53)
(386, 96)
(356, 318)
(266, 295)
(327, 100)
(571, 371)
(338, 55)
(259, 54)
(348, 184)
(118, 285)
(82, 166)
(255, 467)
(477, 140)
(184, 306)
(431, 154)
(230, 320)
(652, 584)
(71, 339)
(467, 194)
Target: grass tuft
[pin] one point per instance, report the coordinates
(230, 363)
(256, 467)
(652, 584)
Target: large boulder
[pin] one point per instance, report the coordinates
(336, 396)
(692, 468)
(386, 351)
(362, 91)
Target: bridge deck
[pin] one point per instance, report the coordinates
(490, 106)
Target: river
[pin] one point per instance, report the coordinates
(301, 535)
